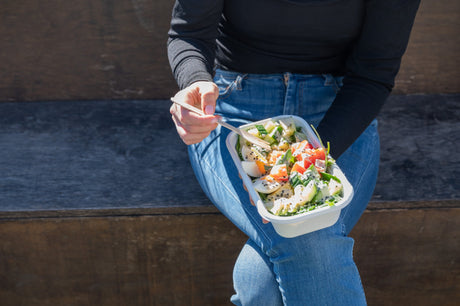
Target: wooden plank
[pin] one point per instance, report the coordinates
(410, 169)
(93, 155)
(95, 50)
(204, 208)
(406, 257)
(409, 257)
(145, 260)
(88, 155)
(79, 50)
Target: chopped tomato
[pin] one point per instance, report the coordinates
(315, 154)
(298, 167)
(279, 172)
(304, 160)
(307, 162)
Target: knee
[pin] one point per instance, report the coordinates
(253, 279)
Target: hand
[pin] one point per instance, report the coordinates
(193, 128)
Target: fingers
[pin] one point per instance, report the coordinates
(189, 135)
(201, 94)
(209, 92)
(192, 127)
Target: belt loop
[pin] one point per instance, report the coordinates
(328, 79)
(287, 76)
(239, 80)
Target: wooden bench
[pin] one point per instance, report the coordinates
(99, 205)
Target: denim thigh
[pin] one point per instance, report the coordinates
(245, 97)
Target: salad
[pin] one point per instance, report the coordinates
(294, 176)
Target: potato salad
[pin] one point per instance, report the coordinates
(293, 177)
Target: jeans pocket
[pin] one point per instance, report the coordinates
(227, 83)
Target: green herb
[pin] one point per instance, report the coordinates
(287, 158)
(327, 177)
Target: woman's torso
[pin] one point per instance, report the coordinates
(301, 36)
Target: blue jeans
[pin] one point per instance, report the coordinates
(311, 269)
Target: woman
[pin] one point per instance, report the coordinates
(331, 62)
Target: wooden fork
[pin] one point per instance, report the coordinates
(251, 138)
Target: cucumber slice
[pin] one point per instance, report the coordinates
(269, 126)
(322, 192)
(269, 139)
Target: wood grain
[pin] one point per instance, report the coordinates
(144, 260)
(96, 50)
(409, 256)
(60, 50)
(405, 256)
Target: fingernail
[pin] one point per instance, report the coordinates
(209, 110)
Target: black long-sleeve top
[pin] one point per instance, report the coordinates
(363, 40)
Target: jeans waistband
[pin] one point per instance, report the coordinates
(327, 77)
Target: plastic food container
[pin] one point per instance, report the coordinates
(292, 226)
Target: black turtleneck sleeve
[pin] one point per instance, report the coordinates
(371, 69)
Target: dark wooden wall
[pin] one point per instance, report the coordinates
(84, 49)
(90, 50)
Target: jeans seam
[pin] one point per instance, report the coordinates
(344, 228)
